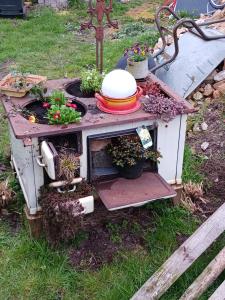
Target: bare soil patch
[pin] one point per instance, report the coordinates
(214, 163)
(12, 219)
(108, 233)
(144, 12)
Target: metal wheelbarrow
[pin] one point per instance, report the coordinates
(192, 57)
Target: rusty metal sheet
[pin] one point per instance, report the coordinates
(120, 193)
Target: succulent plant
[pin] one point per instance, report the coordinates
(156, 102)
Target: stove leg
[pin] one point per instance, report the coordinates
(34, 223)
(177, 199)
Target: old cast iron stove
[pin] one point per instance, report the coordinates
(96, 126)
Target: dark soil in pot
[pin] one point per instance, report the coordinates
(73, 88)
(132, 172)
(36, 109)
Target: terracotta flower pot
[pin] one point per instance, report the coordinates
(138, 69)
(7, 89)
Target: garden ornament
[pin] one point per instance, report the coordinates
(99, 11)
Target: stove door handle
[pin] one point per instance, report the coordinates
(39, 162)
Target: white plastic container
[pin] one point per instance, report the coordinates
(88, 204)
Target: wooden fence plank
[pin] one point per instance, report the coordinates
(206, 278)
(219, 294)
(183, 257)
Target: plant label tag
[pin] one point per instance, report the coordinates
(145, 137)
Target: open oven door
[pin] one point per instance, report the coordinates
(121, 193)
(48, 159)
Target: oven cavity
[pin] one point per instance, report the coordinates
(100, 164)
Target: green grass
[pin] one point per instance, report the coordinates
(31, 269)
(191, 166)
(43, 44)
(40, 272)
(4, 136)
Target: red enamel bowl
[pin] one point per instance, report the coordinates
(120, 104)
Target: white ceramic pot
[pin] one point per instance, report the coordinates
(138, 69)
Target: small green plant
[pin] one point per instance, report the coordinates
(191, 167)
(68, 166)
(77, 4)
(127, 151)
(137, 52)
(60, 110)
(185, 14)
(61, 114)
(91, 81)
(57, 98)
(39, 92)
(19, 80)
(114, 230)
(131, 29)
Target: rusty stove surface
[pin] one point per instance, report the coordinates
(94, 118)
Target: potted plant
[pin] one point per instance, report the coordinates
(55, 109)
(60, 111)
(129, 156)
(17, 84)
(137, 60)
(91, 81)
(39, 91)
(63, 212)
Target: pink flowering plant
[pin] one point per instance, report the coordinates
(137, 52)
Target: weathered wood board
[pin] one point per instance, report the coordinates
(206, 278)
(219, 294)
(183, 257)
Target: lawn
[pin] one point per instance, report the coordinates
(47, 43)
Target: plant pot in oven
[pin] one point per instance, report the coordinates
(132, 172)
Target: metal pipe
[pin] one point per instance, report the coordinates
(162, 28)
(57, 184)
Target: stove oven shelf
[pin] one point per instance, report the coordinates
(121, 193)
